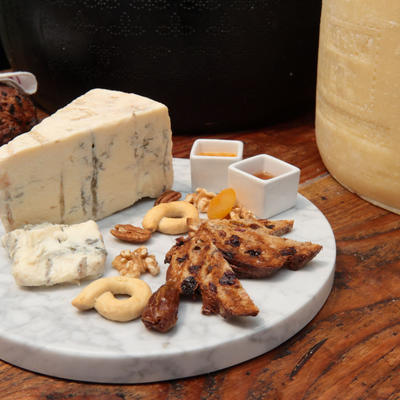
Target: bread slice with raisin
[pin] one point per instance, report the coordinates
(184, 261)
(221, 290)
(255, 253)
(264, 226)
(161, 312)
(197, 267)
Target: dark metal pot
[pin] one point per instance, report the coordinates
(217, 65)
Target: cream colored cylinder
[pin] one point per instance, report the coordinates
(358, 97)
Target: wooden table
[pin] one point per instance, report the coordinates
(350, 350)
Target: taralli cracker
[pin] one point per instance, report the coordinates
(100, 295)
(170, 218)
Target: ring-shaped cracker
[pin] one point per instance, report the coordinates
(100, 295)
(170, 218)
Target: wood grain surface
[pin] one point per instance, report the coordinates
(350, 350)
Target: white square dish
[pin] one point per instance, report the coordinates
(265, 197)
(211, 171)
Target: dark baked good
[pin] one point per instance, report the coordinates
(221, 290)
(212, 258)
(197, 267)
(17, 113)
(254, 253)
(263, 226)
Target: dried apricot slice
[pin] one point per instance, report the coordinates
(221, 205)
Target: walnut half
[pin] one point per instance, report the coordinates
(200, 199)
(134, 263)
(240, 212)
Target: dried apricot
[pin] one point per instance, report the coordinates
(221, 205)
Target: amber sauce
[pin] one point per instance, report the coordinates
(216, 154)
(263, 175)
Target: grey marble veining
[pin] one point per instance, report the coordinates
(41, 331)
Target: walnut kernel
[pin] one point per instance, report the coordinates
(200, 199)
(134, 263)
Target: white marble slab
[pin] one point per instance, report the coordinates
(41, 331)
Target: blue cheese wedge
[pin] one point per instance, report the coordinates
(90, 159)
(49, 254)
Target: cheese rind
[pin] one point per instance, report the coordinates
(358, 97)
(98, 155)
(48, 254)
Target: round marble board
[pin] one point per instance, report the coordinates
(41, 331)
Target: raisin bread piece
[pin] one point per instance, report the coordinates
(256, 253)
(197, 267)
(264, 226)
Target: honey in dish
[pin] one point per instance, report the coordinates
(216, 154)
(263, 175)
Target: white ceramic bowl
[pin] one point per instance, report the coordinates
(265, 197)
(211, 172)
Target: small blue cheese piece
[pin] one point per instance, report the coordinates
(48, 254)
(90, 159)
